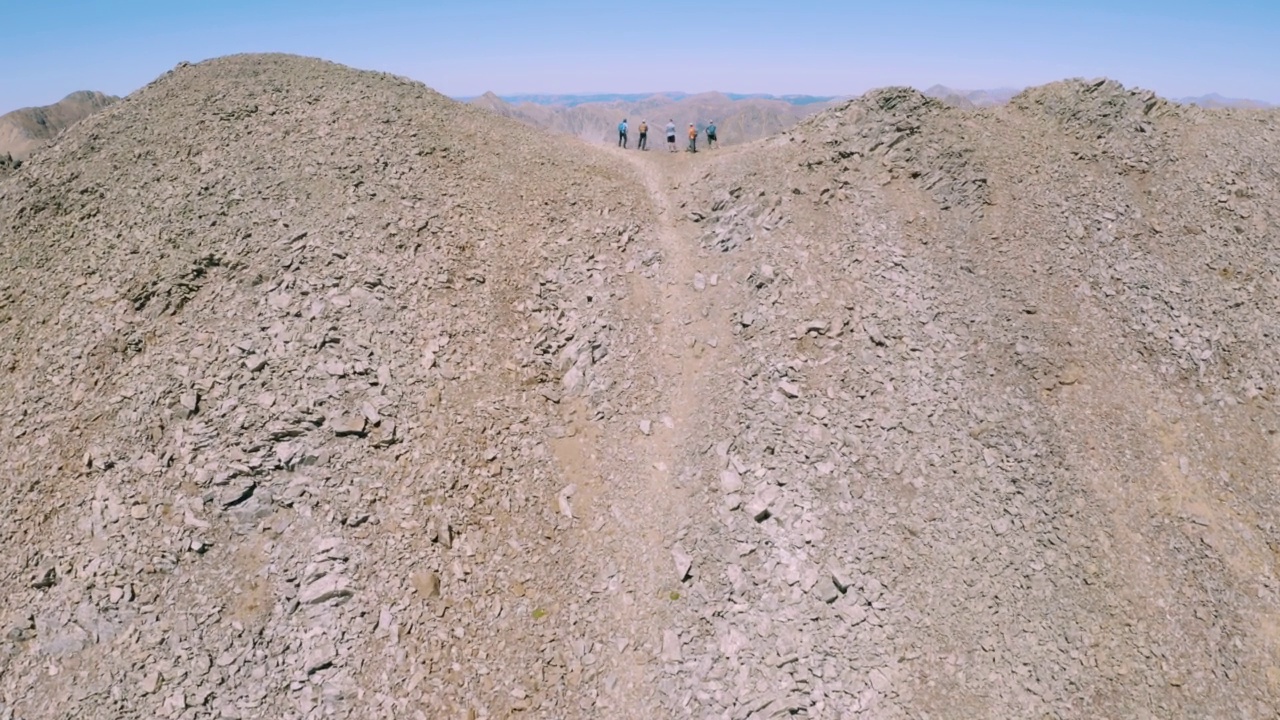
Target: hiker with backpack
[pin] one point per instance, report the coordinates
(711, 134)
(671, 135)
(693, 138)
(644, 136)
(622, 134)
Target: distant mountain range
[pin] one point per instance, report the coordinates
(972, 98)
(1214, 100)
(739, 118)
(25, 129)
(574, 100)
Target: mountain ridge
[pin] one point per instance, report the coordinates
(25, 129)
(329, 396)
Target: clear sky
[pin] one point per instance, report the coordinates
(465, 47)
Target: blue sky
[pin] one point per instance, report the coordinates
(464, 47)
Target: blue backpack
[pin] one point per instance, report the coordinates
(622, 127)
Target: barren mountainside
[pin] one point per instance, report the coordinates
(328, 396)
(23, 130)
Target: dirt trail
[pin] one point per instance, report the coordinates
(632, 495)
(688, 316)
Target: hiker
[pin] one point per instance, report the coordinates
(671, 135)
(622, 134)
(711, 134)
(644, 136)
(693, 138)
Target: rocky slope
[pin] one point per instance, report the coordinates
(24, 130)
(297, 365)
(331, 397)
(1011, 373)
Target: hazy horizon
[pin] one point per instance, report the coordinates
(750, 46)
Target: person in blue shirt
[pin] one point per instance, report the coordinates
(622, 134)
(711, 134)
